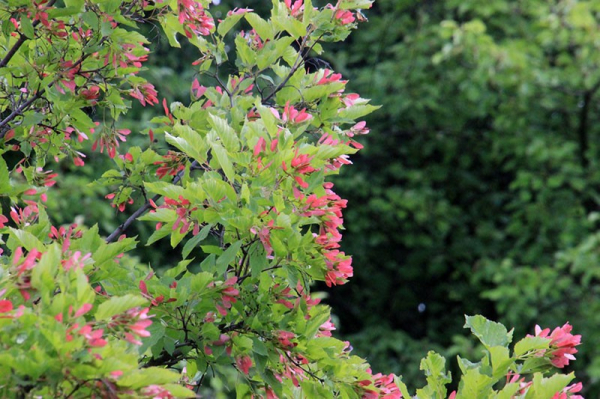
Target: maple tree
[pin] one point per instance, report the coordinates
(245, 180)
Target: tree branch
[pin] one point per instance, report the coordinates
(121, 229)
(22, 38)
(18, 111)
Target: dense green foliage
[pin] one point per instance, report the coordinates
(479, 190)
(476, 194)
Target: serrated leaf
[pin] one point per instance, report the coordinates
(179, 391)
(42, 275)
(195, 240)
(500, 360)
(224, 161)
(27, 27)
(26, 240)
(474, 385)
(228, 257)
(531, 344)
(225, 132)
(434, 366)
(543, 388)
(177, 270)
(108, 252)
(188, 141)
(262, 27)
(165, 189)
(315, 322)
(488, 332)
(357, 111)
(509, 391)
(170, 25)
(157, 331)
(117, 305)
(159, 234)
(5, 187)
(148, 376)
(228, 23)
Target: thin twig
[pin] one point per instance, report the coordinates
(147, 205)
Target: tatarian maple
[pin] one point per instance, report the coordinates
(244, 187)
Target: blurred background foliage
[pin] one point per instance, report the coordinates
(478, 191)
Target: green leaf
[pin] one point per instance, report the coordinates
(224, 161)
(148, 376)
(188, 141)
(179, 391)
(357, 111)
(225, 132)
(489, 333)
(228, 23)
(245, 54)
(501, 360)
(509, 391)
(5, 187)
(474, 385)
(259, 347)
(531, 344)
(27, 27)
(295, 28)
(177, 270)
(43, 274)
(262, 27)
(108, 252)
(434, 366)
(354, 4)
(201, 280)
(26, 240)
(164, 231)
(165, 189)
(171, 26)
(543, 388)
(315, 322)
(195, 240)
(117, 305)
(157, 331)
(228, 257)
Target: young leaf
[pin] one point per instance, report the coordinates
(489, 333)
(118, 304)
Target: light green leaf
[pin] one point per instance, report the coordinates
(500, 360)
(474, 385)
(262, 27)
(5, 186)
(228, 23)
(177, 270)
(224, 161)
(188, 141)
(195, 240)
(357, 111)
(228, 257)
(489, 333)
(117, 305)
(531, 344)
(27, 27)
(225, 132)
(148, 376)
(544, 388)
(26, 240)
